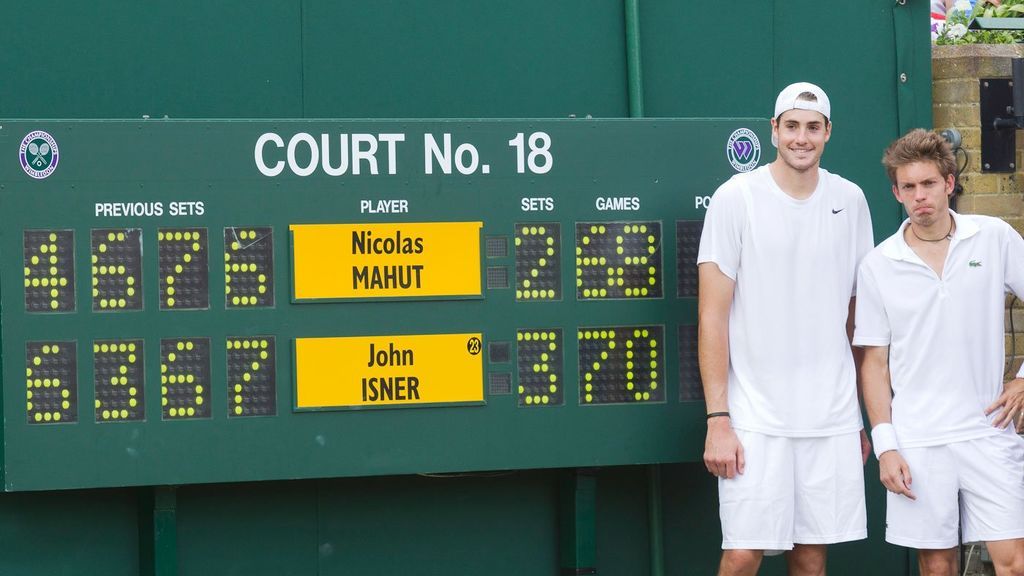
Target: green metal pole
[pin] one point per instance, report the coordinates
(654, 517)
(635, 81)
(577, 519)
(158, 531)
(634, 71)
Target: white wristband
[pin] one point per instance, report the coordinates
(883, 437)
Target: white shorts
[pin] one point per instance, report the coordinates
(794, 491)
(988, 476)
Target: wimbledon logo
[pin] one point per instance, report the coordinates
(38, 154)
(743, 150)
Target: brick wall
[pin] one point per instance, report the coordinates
(956, 71)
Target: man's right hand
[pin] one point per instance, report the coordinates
(723, 453)
(895, 473)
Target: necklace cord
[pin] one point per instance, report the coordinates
(948, 236)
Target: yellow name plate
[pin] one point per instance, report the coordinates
(400, 260)
(388, 370)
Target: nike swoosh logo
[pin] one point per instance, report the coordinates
(834, 211)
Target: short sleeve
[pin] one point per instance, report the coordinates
(721, 240)
(872, 323)
(1013, 267)
(1013, 264)
(865, 239)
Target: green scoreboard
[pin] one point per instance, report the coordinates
(197, 301)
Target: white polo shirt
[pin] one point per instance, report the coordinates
(945, 335)
(794, 262)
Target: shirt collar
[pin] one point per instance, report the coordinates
(896, 248)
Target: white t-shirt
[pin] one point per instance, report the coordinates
(794, 262)
(945, 335)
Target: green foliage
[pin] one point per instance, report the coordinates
(1005, 9)
(955, 31)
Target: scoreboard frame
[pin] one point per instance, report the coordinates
(521, 188)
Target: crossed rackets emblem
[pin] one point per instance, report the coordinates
(38, 154)
(39, 151)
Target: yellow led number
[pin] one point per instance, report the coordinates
(618, 260)
(538, 262)
(184, 273)
(119, 378)
(185, 378)
(116, 258)
(252, 383)
(51, 383)
(539, 363)
(49, 270)
(621, 364)
(248, 267)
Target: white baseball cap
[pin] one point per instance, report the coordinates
(789, 100)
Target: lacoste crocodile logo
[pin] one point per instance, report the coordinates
(974, 263)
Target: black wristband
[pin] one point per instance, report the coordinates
(711, 415)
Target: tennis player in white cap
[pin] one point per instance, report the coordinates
(777, 266)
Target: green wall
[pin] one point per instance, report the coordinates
(346, 59)
(468, 59)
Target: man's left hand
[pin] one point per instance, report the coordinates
(1009, 404)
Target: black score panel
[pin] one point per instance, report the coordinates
(538, 261)
(252, 376)
(691, 388)
(621, 364)
(185, 378)
(49, 270)
(687, 246)
(184, 273)
(539, 364)
(249, 267)
(618, 260)
(51, 382)
(119, 378)
(116, 259)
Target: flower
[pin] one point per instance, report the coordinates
(956, 31)
(963, 6)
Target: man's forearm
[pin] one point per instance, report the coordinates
(713, 355)
(713, 306)
(876, 385)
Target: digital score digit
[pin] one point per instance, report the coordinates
(539, 363)
(51, 378)
(248, 267)
(184, 273)
(185, 378)
(618, 260)
(252, 376)
(49, 270)
(621, 364)
(120, 379)
(116, 269)
(538, 261)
